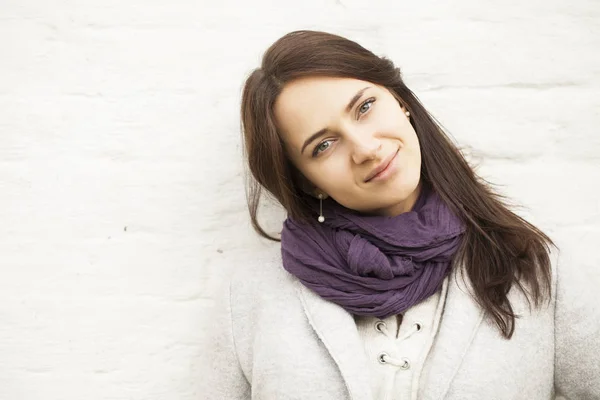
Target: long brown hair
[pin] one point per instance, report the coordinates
(499, 250)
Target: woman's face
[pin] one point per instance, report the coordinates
(339, 132)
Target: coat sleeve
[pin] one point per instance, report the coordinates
(221, 374)
(577, 329)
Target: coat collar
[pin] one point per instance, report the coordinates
(337, 330)
(460, 321)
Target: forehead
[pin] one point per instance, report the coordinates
(307, 105)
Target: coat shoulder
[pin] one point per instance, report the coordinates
(577, 324)
(262, 279)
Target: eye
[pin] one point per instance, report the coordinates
(321, 147)
(366, 106)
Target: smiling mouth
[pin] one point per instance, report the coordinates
(382, 166)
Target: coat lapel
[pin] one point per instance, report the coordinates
(460, 321)
(337, 330)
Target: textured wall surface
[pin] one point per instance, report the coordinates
(121, 181)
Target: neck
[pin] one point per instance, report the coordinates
(404, 206)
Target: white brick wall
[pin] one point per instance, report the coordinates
(121, 192)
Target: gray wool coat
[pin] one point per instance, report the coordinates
(269, 337)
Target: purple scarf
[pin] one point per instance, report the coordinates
(374, 265)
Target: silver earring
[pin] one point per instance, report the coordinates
(321, 217)
(407, 113)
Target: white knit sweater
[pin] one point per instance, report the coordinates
(397, 352)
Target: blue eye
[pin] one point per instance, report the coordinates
(363, 109)
(321, 147)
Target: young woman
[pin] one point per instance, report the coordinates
(402, 274)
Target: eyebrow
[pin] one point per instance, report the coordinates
(321, 132)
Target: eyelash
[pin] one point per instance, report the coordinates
(370, 100)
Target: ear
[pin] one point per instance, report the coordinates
(310, 189)
(318, 192)
(306, 186)
(402, 106)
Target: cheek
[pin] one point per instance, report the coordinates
(408, 134)
(397, 127)
(412, 162)
(333, 175)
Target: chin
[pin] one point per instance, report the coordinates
(401, 193)
(403, 186)
(388, 197)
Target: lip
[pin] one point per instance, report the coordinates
(382, 167)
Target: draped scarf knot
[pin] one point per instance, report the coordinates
(374, 265)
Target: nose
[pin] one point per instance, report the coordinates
(365, 147)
